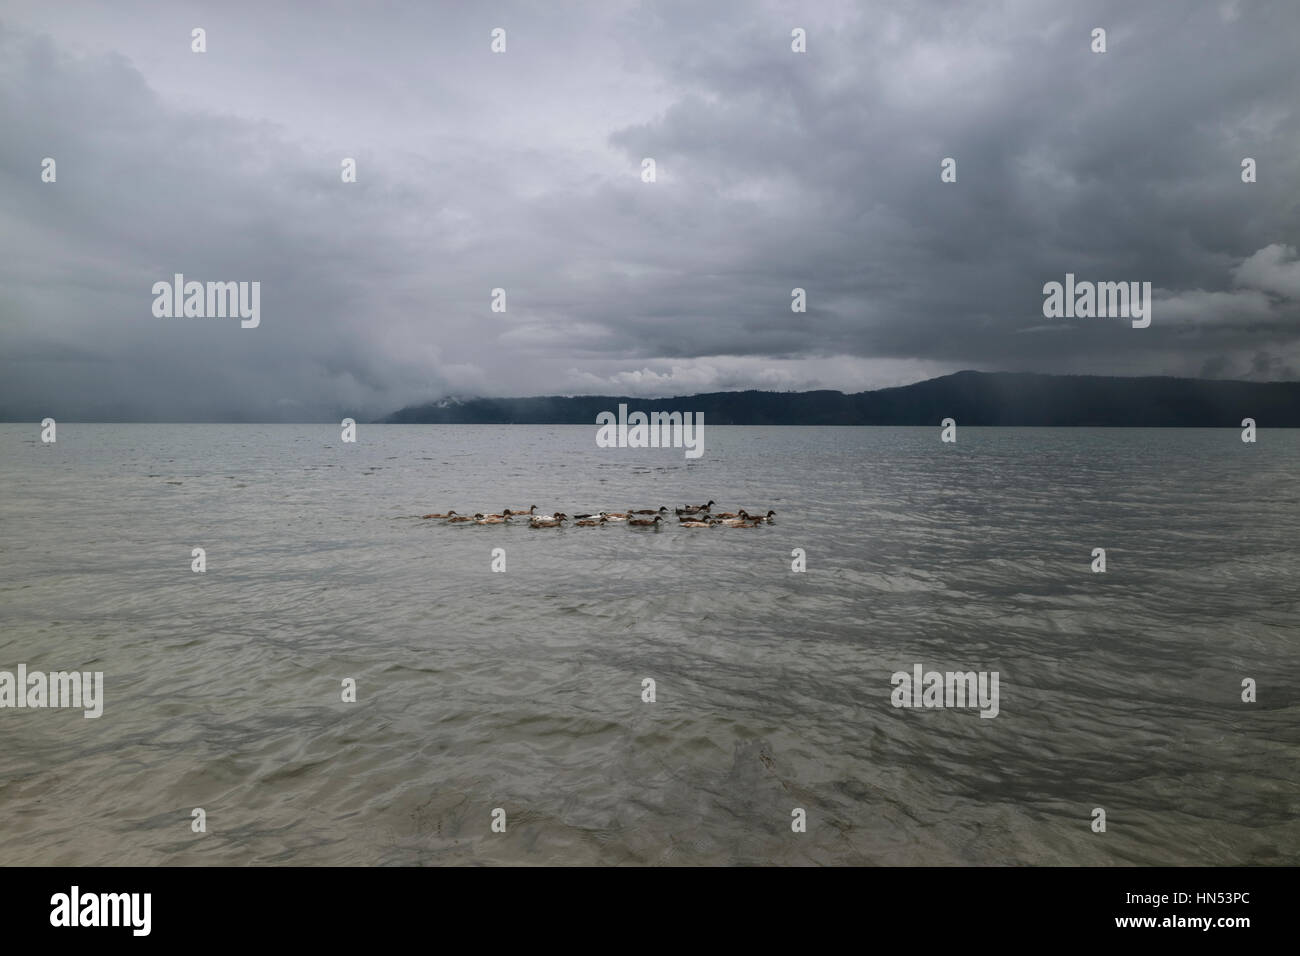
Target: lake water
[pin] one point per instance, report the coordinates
(523, 690)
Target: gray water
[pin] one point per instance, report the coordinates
(523, 690)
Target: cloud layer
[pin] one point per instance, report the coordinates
(521, 171)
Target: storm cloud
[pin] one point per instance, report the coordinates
(521, 170)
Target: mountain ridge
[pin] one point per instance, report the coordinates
(969, 397)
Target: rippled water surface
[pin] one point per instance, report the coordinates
(522, 690)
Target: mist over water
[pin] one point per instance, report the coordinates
(522, 690)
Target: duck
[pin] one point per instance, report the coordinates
(449, 514)
(594, 514)
(460, 518)
(661, 510)
(727, 514)
(767, 517)
(614, 516)
(548, 521)
(520, 512)
(646, 522)
(739, 522)
(698, 524)
(696, 509)
(492, 519)
(589, 522)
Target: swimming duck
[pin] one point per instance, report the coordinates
(695, 509)
(520, 512)
(449, 514)
(548, 521)
(767, 517)
(726, 514)
(697, 524)
(645, 522)
(492, 519)
(460, 518)
(589, 522)
(614, 516)
(661, 510)
(740, 522)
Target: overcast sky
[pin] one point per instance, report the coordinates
(522, 170)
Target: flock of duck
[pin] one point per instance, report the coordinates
(689, 516)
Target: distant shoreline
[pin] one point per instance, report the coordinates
(1006, 399)
(971, 399)
(331, 423)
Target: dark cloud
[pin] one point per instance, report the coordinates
(775, 170)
